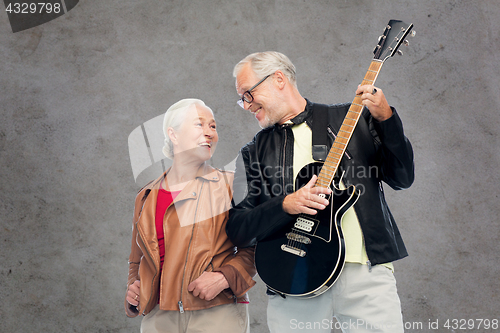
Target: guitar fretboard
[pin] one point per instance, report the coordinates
(339, 146)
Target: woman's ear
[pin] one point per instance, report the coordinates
(172, 135)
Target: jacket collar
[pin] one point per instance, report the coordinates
(205, 172)
(191, 191)
(305, 115)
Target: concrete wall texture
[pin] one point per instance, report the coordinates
(73, 89)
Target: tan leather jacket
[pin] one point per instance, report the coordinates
(195, 242)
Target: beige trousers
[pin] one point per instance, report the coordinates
(228, 318)
(362, 301)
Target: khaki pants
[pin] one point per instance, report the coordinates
(228, 318)
(361, 300)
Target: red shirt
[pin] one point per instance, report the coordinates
(165, 198)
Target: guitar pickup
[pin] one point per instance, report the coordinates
(298, 238)
(293, 250)
(304, 224)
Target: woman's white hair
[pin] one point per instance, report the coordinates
(265, 63)
(174, 117)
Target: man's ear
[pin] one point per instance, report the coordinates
(280, 79)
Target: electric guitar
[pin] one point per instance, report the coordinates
(306, 258)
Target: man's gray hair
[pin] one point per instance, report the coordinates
(265, 63)
(174, 117)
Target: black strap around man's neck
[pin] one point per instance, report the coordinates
(319, 133)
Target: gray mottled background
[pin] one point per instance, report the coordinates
(73, 90)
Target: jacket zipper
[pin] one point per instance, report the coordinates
(181, 306)
(210, 264)
(284, 154)
(154, 276)
(334, 138)
(150, 257)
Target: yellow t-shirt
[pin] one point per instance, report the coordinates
(353, 237)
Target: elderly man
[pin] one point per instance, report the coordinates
(364, 297)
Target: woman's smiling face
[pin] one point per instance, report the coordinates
(197, 136)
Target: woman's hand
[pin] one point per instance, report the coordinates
(208, 285)
(133, 293)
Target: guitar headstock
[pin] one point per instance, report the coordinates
(394, 35)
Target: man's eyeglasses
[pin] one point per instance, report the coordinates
(247, 96)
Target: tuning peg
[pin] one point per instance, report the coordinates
(406, 42)
(400, 52)
(413, 33)
(380, 38)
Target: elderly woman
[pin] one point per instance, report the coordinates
(185, 275)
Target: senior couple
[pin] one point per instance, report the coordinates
(195, 227)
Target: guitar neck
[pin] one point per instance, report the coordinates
(339, 146)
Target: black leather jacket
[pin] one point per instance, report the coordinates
(377, 151)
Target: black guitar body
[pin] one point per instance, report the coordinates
(305, 258)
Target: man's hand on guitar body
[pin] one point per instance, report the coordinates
(374, 99)
(307, 199)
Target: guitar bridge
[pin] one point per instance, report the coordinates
(293, 250)
(298, 238)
